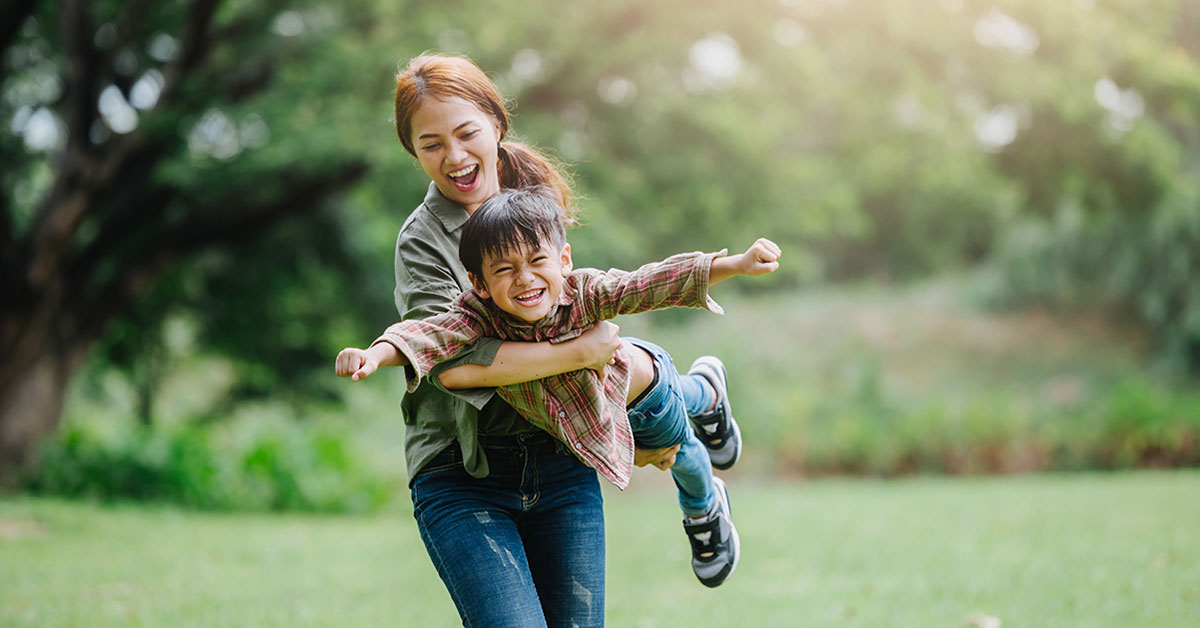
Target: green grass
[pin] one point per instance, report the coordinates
(1036, 550)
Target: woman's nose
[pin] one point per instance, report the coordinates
(455, 152)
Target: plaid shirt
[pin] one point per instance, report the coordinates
(576, 407)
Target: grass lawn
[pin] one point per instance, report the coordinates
(1038, 550)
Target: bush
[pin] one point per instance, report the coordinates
(1141, 267)
(1134, 424)
(276, 465)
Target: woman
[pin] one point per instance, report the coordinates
(512, 521)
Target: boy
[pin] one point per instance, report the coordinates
(515, 251)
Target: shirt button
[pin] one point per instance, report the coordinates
(562, 415)
(578, 446)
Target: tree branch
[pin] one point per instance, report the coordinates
(228, 219)
(195, 46)
(82, 72)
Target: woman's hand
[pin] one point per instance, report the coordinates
(598, 346)
(662, 458)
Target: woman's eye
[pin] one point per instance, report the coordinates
(469, 134)
(430, 146)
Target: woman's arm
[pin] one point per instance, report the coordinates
(517, 362)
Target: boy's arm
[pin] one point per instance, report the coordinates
(359, 363)
(761, 258)
(421, 344)
(680, 280)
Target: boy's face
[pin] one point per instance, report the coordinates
(525, 282)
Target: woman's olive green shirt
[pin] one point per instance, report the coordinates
(428, 279)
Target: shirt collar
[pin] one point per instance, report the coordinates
(450, 214)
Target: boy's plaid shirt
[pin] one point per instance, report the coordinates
(587, 415)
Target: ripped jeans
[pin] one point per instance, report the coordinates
(523, 547)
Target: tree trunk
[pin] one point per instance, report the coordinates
(34, 373)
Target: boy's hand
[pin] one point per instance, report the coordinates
(761, 258)
(355, 363)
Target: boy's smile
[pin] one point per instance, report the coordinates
(525, 282)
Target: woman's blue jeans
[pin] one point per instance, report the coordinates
(523, 547)
(659, 418)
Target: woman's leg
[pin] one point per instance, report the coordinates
(471, 531)
(563, 529)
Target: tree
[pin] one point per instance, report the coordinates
(140, 146)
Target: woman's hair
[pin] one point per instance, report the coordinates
(442, 77)
(512, 219)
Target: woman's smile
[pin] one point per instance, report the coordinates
(464, 178)
(457, 145)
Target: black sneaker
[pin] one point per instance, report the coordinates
(717, 429)
(715, 544)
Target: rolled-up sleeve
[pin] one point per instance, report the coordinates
(426, 286)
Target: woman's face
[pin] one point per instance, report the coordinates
(456, 143)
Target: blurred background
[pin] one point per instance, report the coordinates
(990, 213)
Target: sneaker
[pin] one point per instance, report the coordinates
(715, 544)
(717, 429)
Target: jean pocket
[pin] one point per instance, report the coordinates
(448, 459)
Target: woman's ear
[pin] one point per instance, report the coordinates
(566, 259)
(480, 287)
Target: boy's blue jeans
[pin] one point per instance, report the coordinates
(659, 418)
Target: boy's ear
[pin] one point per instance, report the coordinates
(480, 287)
(566, 259)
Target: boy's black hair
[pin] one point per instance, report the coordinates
(508, 221)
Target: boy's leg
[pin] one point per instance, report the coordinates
(659, 419)
(715, 425)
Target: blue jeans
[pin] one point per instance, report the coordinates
(523, 546)
(659, 418)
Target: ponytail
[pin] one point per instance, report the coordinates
(522, 167)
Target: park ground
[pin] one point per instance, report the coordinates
(1084, 549)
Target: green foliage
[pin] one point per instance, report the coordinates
(280, 465)
(1144, 268)
(1134, 425)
